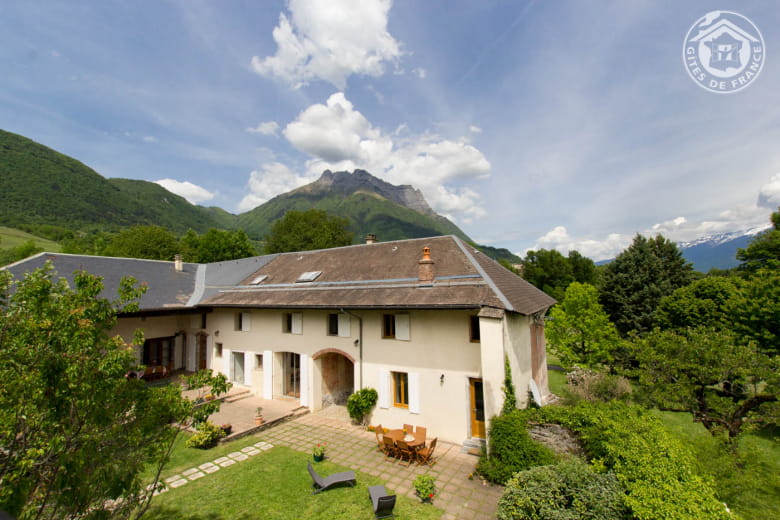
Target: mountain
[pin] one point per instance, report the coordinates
(717, 251)
(371, 205)
(39, 186)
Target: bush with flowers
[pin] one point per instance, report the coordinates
(319, 451)
(424, 486)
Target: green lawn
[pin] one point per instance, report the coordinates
(749, 483)
(10, 237)
(273, 485)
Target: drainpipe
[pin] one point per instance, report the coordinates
(360, 340)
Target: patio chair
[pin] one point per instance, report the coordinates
(425, 455)
(378, 433)
(382, 502)
(405, 453)
(409, 428)
(422, 431)
(321, 484)
(389, 450)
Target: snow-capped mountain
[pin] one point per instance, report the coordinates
(719, 250)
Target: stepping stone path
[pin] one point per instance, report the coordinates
(206, 468)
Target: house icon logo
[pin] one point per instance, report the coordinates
(723, 52)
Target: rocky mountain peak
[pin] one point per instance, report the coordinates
(347, 183)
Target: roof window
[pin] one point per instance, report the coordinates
(309, 276)
(258, 279)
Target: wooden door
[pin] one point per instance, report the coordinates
(477, 408)
(202, 352)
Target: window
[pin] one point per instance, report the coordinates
(218, 349)
(395, 326)
(259, 361)
(400, 389)
(474, 328)
(333, 324)
(388, 326)
(292, 323)
(308, 276)
(243, 321)
(258, 279)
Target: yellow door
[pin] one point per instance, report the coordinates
(477, 408)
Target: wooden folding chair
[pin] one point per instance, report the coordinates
(405, 453)
(425, 455)
(409, 428)
(422, 431)
(378, 432)
(389, 447)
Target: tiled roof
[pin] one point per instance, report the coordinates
(167, 288)
(380, 275)
(386, 274)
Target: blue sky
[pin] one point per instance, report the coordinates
(555, 124)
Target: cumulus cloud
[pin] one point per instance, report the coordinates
(769, 195)
(149, 139)
(264, 128)
(330, 41)
(338, 137)
(751, 218)
(273, 179)
(192, 192)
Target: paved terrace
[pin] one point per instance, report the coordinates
(354, 447)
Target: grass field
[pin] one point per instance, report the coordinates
(273, 485)
(13, 237)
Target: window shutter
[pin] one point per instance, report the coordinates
(227, 363)
(384, 389)
(209, 352)
(268, 383)
(246, 321)
(304, 380)
(402, 327)
(344, 331)
(414, 393)
(297, 323)
(248, 369)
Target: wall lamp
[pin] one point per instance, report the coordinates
(441, 379)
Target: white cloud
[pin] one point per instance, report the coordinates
(149, 139)
(338, 137)
(192, 192)
(264, 128)
(475, 129)
(273, 179)
(680, 229)
(420, 72)
(330, 41)
(769, 195)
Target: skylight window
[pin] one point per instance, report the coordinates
(309, 276)
(258, 279)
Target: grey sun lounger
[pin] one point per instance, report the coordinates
(321, 484)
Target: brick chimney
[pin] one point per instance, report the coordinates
(425, 266)
(371, 239)
(178, 263)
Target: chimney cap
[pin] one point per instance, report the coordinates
(371, 238)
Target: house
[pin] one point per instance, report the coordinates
(425, 322)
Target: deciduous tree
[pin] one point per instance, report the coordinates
(151, 242)
(306, 231)
(579, 331)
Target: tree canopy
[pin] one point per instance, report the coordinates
(216, 246)
(306, 231)
(76, 433)
(764, 250)
(707, 302)
(550, 271)
(634, 283)
(151, 242)
(579, 331)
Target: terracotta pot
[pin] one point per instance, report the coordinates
(258, 420)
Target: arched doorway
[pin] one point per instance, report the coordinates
(338, 376)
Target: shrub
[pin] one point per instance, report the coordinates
(590, 385)
(657, 471)
(206, 436)
(567, 491)
(511, 449)
(360, 403)
(424, 486)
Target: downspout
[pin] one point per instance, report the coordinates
(360, 341)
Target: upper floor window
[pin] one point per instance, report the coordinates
(292, 323)
(395, 326)
(243, 321)
(474, 328)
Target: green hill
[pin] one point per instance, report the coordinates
(42, 187)
(371, 205)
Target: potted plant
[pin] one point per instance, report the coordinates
(424, 487)
(227, 428)
(259, 416)
(318, 452)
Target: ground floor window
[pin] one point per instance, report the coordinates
(400, 389)
(158, 352)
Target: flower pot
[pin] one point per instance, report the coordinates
(318, 458)
(258, 420)
(227, 429)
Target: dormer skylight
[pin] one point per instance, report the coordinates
(258, 279)
(309, 276)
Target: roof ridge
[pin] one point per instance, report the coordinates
(490, 282)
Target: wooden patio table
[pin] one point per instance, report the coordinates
(413, 440)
